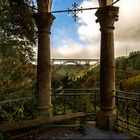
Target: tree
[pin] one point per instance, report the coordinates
(17, 27)
(131, 84)
(17, 39)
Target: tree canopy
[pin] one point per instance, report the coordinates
(17, 41)
(17, 27)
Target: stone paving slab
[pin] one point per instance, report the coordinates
(92, 132)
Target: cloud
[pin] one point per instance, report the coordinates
(88, 33)
(127, 32)
(127, 29)
(88, 29)
(128, 26)
(72, 49)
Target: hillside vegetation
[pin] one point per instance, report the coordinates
(80, 76)
(128, 72)
(20, 76)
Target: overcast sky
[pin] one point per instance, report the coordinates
(81, 39)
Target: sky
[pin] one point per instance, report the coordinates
(81, 38)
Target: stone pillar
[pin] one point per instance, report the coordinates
(107, 115)
(103, 3)
(44, 21)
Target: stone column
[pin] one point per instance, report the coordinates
(44, 21)
(107, 115)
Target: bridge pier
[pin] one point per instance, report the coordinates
(106, 117)
(44, 20)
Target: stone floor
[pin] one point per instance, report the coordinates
(92, 132)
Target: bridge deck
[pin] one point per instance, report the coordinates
(75, 61)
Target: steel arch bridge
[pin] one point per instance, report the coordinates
(75, 61)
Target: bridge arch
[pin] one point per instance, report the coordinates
(75, 61)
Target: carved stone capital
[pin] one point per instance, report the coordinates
(44, 5)
(44, 21)
(105, 2)
(107, 16)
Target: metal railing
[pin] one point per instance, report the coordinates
(21, 106)
(16, 106)
(67, 101)
(128, 112)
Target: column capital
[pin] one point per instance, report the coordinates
(107, 16)
(44, 21)
(44, 5)
(105, 2)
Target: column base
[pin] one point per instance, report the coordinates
(44, 112)
(106, 119)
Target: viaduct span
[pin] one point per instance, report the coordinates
(75, 61)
